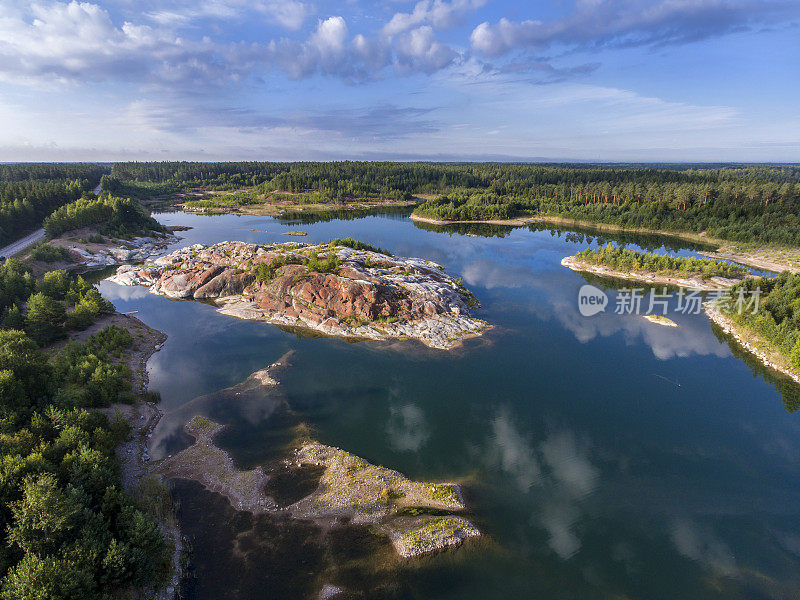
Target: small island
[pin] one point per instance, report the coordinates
(343, 288)
(622, 263)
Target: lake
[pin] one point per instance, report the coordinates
(603, 456)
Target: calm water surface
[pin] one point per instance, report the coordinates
(605, 457)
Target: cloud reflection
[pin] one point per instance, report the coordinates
(557, 473)
(407, 428)
(556, 299)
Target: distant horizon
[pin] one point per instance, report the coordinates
(426, 161)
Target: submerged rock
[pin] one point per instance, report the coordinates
(334, 290)
(418, 517)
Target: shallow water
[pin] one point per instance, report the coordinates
(604, 456)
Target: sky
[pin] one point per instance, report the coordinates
(583, 80)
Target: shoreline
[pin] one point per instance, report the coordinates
(133, 453)
(706, 285)
(725, 250)
(748, 340)
(288, 209)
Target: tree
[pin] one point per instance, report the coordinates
(794, 357)
(47, 578)
(25, 374)
(44, 318)
(44, 518)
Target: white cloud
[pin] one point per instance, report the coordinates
(78, 42)
(557, 473)
(629, 22)
(418, 50)
(407, 428)
(287, 13)
(700, 544)
(437, 13)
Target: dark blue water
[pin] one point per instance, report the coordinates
(604, 456)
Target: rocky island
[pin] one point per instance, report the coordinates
(342, 288)
(418, 517)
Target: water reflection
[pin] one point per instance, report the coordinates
(407, 428)
(557, 473)
(606, 457)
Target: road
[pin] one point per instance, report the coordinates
(20, 245)
(31, 239)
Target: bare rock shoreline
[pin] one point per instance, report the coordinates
(751, 342)
(695, 283)
(334, 290)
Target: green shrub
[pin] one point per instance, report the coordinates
(357, 245)
(47, 253)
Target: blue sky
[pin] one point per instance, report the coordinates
(610, 80)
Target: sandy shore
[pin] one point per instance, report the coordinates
(695, 283)
(759, 259)
(751, 342)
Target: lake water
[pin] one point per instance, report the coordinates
(603, 457)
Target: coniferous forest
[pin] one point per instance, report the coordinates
(744, 203)
(30, 192)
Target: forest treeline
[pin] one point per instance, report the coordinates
(30, 192)
(758, 203)
(777, 319)
(118, 217)
(624, 259)
(69, 531)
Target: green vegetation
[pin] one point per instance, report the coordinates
(47, 253)
(329, 264)
(356, 245)
(30, 192)
(622, 259)
(266, 271)
(743, 203)
(91, 374)
(435, 530)
(71, 531)
(444, 492)
(737, 203)
(47, 308)
(139, 190)
(777, 320)
(118, 217)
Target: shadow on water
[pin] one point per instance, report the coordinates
(648, 242)
(470, 229)
(785, 386)
(344, 214)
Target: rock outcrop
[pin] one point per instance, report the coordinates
(334, 290)
(418, 517)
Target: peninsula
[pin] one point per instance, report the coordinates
(695, 273)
